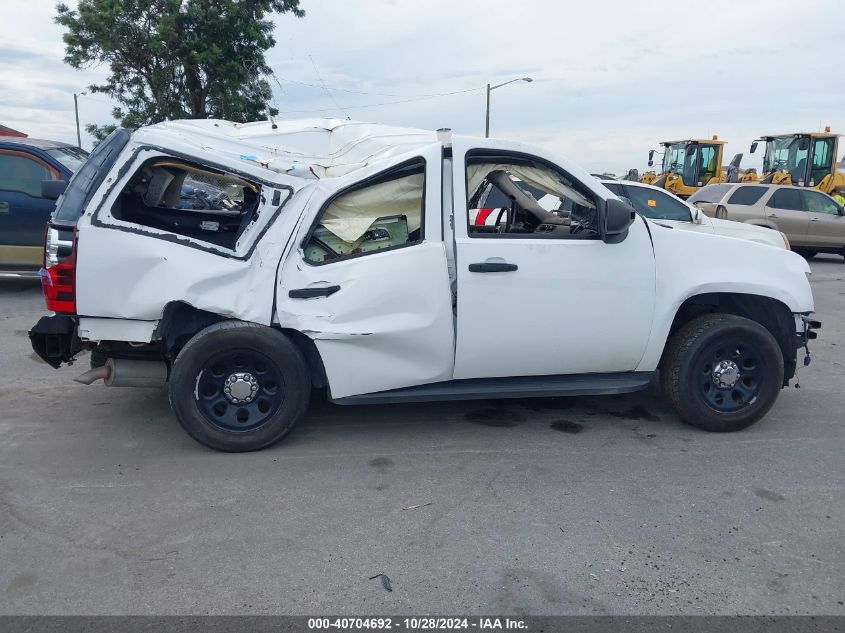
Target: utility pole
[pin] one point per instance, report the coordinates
(76, 112)
(491, 89)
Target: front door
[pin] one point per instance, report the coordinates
(539, 293)
(785, 208)
(826, 225)
(368, 280)
(23, 212)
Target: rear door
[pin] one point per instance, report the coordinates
(368, 279)
(785, 208)
(826, 225)
(541, 298)
(23, 212)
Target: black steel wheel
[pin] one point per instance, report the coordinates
(722, 372)
(239, 389)
(731, 373)
(239, 386)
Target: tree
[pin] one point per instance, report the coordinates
(176, 59)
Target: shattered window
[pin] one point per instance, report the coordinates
(190, 200)
(385, 212)
(511, 196)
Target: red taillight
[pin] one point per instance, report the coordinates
(58, 276)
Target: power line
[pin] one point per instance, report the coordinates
(323, 83)
(356, 92)
(385, 103)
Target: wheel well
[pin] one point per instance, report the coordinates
(181, 321)
(775, 316)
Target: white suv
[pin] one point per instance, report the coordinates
(342, 256)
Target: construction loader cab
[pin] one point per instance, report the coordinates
(688, 165)
(802, 160)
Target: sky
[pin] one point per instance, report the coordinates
(611, 79)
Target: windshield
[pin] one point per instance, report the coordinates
(710, 193)
(70, 157)
(789, 154)
(673, 158)
(693, 162)
(657, 204)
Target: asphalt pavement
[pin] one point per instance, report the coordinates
(568, 506)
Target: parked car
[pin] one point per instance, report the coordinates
(813, 221)
(658, 204)
(351, 265)
(25, 206)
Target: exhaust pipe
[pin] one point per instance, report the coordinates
(92, 375)
(127, 373)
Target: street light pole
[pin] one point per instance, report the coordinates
(491, 89)
(487, 118)
(76, 112)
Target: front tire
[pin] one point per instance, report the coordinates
(722, 372)
(239, 386)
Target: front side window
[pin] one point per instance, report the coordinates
(380, 213)
(19, 172)
(820, 203)
(508, 196)
(657, 205)
(747, 195)
(788, 199)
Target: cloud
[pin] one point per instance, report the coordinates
(610, 80)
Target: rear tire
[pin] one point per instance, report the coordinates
(239, 386)
(722, 372)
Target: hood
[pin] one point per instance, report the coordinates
(740, 230)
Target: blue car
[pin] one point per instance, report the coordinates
(33, 174)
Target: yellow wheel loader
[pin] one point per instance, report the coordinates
(805, 159)
(689, 165)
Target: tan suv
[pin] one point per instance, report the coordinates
(813, 221)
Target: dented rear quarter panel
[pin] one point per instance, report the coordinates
(129, 272)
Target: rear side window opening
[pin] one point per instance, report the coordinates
(747, 196)
(191, 200)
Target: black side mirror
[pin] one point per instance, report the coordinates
(650, 157)
(754, 147)
(618, 216)
(52, 189)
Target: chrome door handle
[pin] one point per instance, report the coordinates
(814, 220)
(4, 208)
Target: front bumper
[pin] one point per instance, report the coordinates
(55, 339)
(806, 332)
